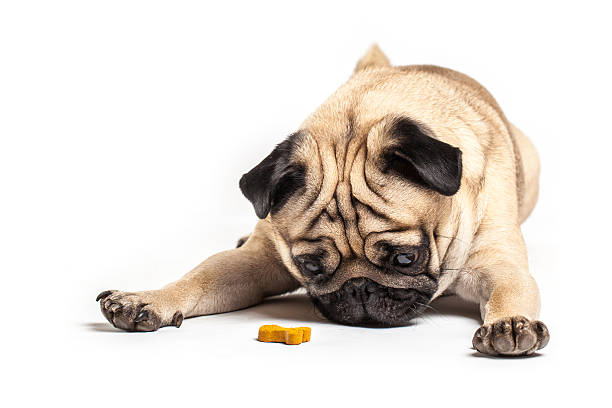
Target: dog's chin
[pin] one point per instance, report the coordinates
(363, 302)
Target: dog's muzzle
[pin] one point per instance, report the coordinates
(363, 302)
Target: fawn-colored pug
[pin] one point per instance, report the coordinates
(406, 184)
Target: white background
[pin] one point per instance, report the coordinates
(126, 125)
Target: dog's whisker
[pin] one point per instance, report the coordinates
(428, 307)
(452, 237)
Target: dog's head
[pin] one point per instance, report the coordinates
(357, 197)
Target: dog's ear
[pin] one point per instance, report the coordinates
(374, 57)
(422, 159)
(270, 184)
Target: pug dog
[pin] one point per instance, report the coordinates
(406, 184)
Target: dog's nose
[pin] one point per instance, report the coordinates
(359, 282)
(357, 288)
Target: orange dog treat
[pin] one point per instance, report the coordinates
(277, 334)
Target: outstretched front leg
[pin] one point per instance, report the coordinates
(508, 297)
(227, 281)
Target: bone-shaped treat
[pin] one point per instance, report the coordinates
(277, 334)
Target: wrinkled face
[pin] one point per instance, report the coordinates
(356, 203)
(387, 286)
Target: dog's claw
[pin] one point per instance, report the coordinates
(114, 308)
(543, 334)
(104, 294)
(177, 319)
(143, 315)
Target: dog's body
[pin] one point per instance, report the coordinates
(407, 183)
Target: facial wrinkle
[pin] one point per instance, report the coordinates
(326, 201)
(344, 199)
(362, 189)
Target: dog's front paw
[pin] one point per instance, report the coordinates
(512, 336)
(136, 311)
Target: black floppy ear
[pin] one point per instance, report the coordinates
(270, 184)
(423, 159)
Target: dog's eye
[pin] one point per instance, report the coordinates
(312, 267)
(404, 259)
